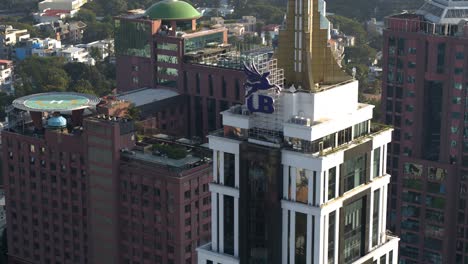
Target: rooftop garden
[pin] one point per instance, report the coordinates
(172, 152)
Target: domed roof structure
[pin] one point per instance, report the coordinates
(57, 122)
(172, 10)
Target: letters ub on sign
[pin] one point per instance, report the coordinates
(257, 82)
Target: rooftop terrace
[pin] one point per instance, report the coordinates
(177, 155)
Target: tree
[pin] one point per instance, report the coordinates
(133, 112)
(96, 53)
(37, 75)
(83, 86)
(86, 15)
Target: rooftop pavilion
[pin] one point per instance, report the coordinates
(444, 11)
(54, 110)
(434, 17)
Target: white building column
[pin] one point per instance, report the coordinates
(318, 245)
(310, 227)
(237, 170)
(326, 175)
(371, 222)
(337, 234)
(384, 160)
(319, 188)
(285, 241)
(221, 224)
(214, 222)
(337, 181)
(371, 169)
(384, 209)
(236, 227)
(325, 238)
(292, 237)
(381, 215)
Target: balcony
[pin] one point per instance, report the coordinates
(324, 147)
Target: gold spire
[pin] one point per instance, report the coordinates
(303, 50)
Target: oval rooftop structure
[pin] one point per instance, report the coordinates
(56, 102)
(172, 10)
(57, 122)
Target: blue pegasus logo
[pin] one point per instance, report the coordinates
(257, 81)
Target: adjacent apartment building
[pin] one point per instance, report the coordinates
(80, 189)
(165, 47)
(299, 171)
(425, 99)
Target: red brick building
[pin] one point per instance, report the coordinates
(425, 99)
(80, 190)
(169, 50)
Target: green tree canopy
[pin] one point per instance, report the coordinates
(36, 75)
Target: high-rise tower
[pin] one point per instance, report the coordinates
(303, 50)
(424, 98)
(299, 174)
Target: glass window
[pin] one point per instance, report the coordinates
(302, 186)
(354, 231)
(440, 57)
(383, 259)
(375, 218)
(355, 170)
(301, 238)
(168, 71)
(201, 42)
(410, 224)
(228, 225)
(410, 252)
(401, 46)
(361, 128)
(434, 216)
(435, 202)
(229, 169)
(166, 46)
(167, 59)
(331, 183)
(458, 86)
(376, 166)
(132, 38)
(210, 84)
(331, 237)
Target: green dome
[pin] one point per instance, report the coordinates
(172, 10)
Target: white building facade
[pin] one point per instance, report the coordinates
(304, 184)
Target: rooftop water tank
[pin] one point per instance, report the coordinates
(57, 122)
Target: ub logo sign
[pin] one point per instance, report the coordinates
(257, 82)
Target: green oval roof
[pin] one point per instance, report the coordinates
(172, 10)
